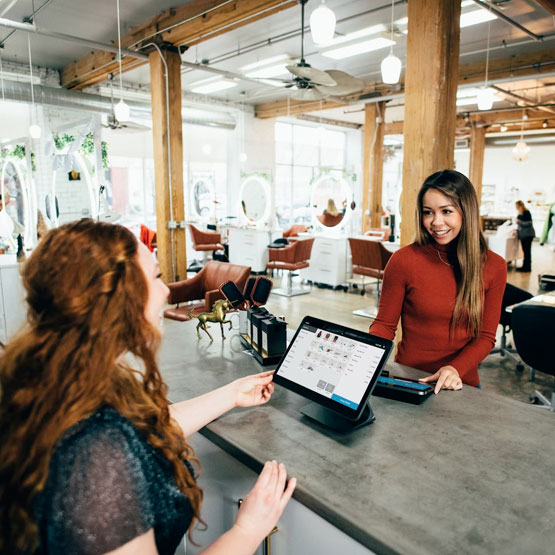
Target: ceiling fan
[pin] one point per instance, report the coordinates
(112, 122)
(315, 84)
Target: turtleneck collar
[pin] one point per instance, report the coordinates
(449, 248)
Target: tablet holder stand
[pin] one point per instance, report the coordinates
(335, 421)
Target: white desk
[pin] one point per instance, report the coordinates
(12, 297)
(328, 260)
(506, 246)
(249, 247)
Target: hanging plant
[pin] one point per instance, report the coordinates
(18, 151)
(86, 149)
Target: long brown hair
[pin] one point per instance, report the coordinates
(471, 245)
(86, 294)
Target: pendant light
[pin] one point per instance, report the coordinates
(121, 109)
(521, 150)
(322, 24)
(391, 65)
(485, 93)
(34, 129)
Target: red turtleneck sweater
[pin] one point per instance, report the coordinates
(419, 286)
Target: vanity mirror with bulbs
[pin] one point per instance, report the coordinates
(17, 213)
(248, 245)
(202, 197)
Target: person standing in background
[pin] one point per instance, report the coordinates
(526, 234)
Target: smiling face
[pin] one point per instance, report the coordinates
(441, 217)
(157, 289)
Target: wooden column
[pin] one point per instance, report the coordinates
(372, 164)
(477, 147)
(162, 126)
(430, 98)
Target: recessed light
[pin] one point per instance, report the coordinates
(358, 48)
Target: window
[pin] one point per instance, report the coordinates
(301, 153)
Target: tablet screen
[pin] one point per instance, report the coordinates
(333, 365)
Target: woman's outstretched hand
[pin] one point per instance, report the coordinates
(253, 390)
(264, 504)
(447, 377)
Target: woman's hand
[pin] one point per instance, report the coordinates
(253, 390)
(264, 504)
(447, 378)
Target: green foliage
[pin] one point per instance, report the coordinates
(18, 151)
(87, 148)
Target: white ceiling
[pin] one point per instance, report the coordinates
(277, 34)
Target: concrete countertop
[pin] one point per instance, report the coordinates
(465, 472)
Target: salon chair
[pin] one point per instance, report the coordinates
(148, 237)
(292, 257)
(294, 231)
(533, 333)
(204, 288)
(368, 259)
(512, 295)
(381, 233)
(205, 241)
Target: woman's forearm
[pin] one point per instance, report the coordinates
(194, 414)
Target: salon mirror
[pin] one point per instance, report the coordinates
(74, 194)
(202, 196)
(15, 198)
(330, 197)
(254, 197)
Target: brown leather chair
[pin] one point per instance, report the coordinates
(292, 257)
(205, 241)
(381, 233)
(368, 259)
(330, 220)
(203, 287)
(294, 230)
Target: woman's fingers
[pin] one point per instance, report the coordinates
(287, 493)
(431, 378)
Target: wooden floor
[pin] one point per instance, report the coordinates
(496, 373)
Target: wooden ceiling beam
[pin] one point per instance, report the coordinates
(188, 25)
(520, 65)
(549, 5)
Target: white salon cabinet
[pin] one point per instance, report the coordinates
(249, 247)
(328, 261)
(224, 480)
(12, 297)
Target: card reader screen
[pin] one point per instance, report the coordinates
(335, 366)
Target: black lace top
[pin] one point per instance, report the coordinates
(106, 486)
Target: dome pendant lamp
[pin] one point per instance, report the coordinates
(391, 65)
(322, 24)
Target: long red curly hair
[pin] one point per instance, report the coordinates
(86, 294)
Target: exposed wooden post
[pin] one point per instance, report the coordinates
(430, 101)
(164, 125)
(376, 168)
(477, 147)
(372, 164)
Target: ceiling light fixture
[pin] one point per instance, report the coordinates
(503, 128)
(485, 93)
(322, 24)
(476, 16)
(521, 150)
(357, 48)
(34, 129)
(391, 65)
(265, 62)
(544, 124)
(121, 110)
(214, 86)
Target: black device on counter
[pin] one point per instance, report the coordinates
(232, 293)
(335, 367)
(274, 337)
(249, 286)
(257, 314)
(402, 389)
(261, 291)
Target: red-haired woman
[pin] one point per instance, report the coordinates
(93, 459)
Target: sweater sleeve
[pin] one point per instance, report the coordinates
(475, 351)
(392, 298)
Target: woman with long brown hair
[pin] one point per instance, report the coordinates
(526, 234)
(446, 287)
(93, 459)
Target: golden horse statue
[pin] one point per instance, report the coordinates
(219, 310)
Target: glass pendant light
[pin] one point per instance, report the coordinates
(521, 150)
(322, 24)
(121, 110)
(391, 65)
(34, 129)
(485, 93)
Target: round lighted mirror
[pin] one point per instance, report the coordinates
(202, 197)
(74, 195)
(16, 209)
(255, 199)
(330, 197)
